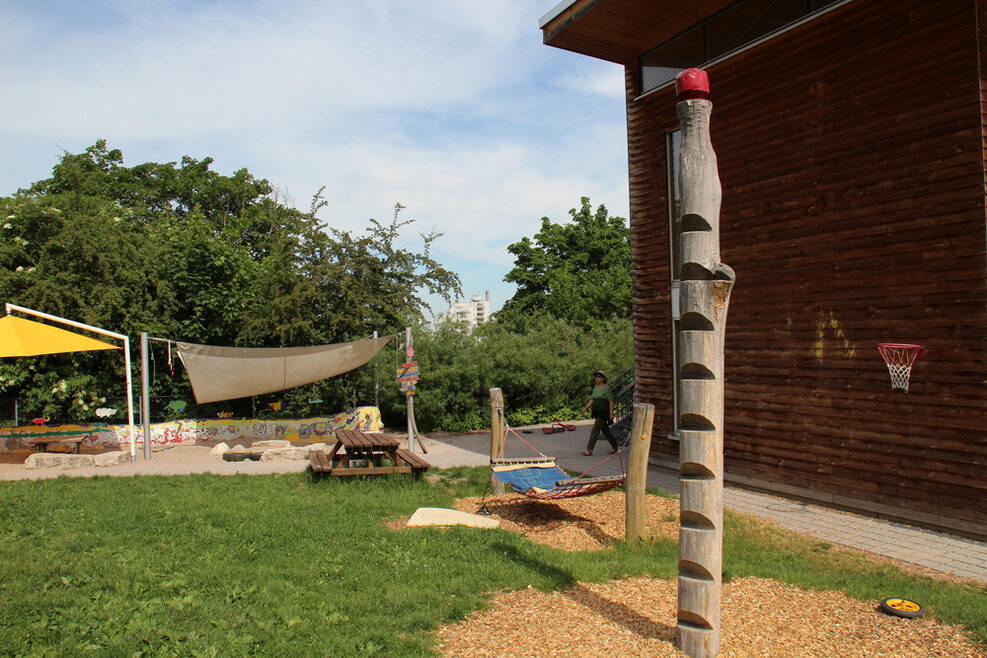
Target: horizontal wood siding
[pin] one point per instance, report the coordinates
(851, 152)
(982, 49)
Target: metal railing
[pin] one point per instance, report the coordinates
(622, 386)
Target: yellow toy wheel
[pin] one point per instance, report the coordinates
(899, 607)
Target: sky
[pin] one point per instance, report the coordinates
(453, 108)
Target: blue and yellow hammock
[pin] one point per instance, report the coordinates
(543, 479)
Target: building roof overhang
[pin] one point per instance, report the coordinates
(622, 30)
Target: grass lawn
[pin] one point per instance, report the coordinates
(207, 565)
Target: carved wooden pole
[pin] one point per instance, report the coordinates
(704, 295)
(635, 500)
(497, 430)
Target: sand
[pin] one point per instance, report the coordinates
(180, 460)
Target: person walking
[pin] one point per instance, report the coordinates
(601, 401)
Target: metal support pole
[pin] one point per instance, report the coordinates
(145, 397)
(376, 381)
(130, 401)
(410, 396)
(126, 357)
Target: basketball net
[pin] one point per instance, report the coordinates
(899, 358)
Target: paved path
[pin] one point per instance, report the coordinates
(966, 558)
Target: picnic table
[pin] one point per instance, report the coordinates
(41, 443)
(364, 453)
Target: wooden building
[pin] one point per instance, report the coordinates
(850, 136)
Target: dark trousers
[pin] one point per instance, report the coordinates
(600, 424)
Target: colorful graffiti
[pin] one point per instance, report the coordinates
(825, 323)
(178, 432)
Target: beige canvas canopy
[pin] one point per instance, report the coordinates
(226, 373)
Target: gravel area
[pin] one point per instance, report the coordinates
(636, 617)
(576, 524)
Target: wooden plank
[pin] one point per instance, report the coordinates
(342, 472)
(381, 440)
(319, 461)
(412, 459)
(349, 438)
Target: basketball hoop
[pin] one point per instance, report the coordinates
(900, 357)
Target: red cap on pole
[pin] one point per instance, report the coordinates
(692, 83)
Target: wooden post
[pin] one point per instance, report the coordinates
(704, 295)
(496, 434)
(639, 443)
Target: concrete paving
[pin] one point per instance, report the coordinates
(948, 554)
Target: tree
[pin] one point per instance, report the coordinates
(577, 271)
(183, 252)
(543, 369)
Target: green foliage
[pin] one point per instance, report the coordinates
(183, 252)
(544, 370)
(282, 565)
(578, 271)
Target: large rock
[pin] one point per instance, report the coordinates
(114, 458)
(440, 516)
(57, 460)
(219, 449)
(290, 452)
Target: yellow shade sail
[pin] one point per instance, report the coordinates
(20, 337)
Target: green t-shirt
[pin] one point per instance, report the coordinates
(600, 399)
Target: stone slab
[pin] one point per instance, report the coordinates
(114, 458)
(57, 460)
(272, 443)
(439, 516)
(291, 452)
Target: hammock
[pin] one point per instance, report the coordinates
(541, 478)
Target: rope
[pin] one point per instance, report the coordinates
(507, 431)
(616, 454)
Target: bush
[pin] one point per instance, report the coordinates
(544, 371)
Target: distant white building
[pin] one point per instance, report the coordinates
(472, 313)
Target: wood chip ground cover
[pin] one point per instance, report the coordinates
(636, 616)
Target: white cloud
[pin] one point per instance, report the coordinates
(455, 109)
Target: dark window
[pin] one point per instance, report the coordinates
(748, 22)
(682, 52)
(673, 149)
(721, 34)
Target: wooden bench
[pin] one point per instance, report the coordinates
(319, 462)
(417, 464)
(41, 443)
(363, 453)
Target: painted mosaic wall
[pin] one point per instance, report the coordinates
(164, 435)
